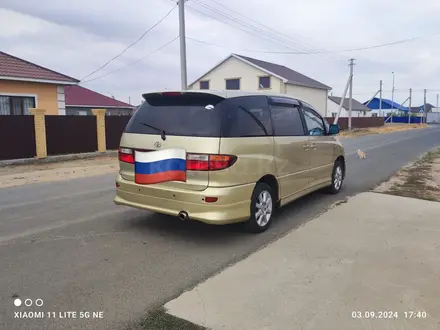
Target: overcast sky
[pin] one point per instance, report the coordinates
(77, 37)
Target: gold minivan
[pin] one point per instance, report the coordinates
(226, 156)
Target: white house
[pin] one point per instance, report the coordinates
(357, 108)
(239, 72)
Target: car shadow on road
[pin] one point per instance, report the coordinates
(176, 229)
(287, 218)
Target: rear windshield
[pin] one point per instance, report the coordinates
(182, 115)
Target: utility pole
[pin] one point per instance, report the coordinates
(424, 104)
(350, 100)
(437, 101)
(392, 98)
(342, 100)
(129, 100)
(183, 73)
(380, 99)
(409, 107)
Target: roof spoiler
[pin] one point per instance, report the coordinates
(221, 94)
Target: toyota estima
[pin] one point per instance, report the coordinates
(227, 156)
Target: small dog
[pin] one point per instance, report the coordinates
(361, 154)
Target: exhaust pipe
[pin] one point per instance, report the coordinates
(183, 215)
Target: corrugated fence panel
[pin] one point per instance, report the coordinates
(358, 122)
(404, 120)
(114, 127)
(71, 134)
(17, 137)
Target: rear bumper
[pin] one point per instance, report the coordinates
(233, 204)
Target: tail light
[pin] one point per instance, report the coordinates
(126, 155)
(202, 162)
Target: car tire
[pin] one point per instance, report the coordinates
(338, 175)
(262, 208)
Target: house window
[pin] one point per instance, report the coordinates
(264, 82)
(233, 84)
(204, 84)
(334, 114)
(16, 105)
(374, 115)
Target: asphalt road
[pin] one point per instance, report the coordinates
(67, 244)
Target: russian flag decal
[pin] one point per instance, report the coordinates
(160, 166)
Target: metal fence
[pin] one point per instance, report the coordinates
(358, 122)
(114, 127)
(71, 134)
(78, 134)
(404, 120)
(17, 137)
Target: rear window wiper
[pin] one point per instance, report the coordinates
(162, 132)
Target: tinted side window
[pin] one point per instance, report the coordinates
(314, 122)
(286, 120)
(246, 116)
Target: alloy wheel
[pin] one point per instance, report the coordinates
(263, 207)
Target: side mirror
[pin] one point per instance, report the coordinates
(333, 129)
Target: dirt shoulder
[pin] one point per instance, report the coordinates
(381, 130)
(420, 179)
(17, 175)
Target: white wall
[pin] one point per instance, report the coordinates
(332, 107)
(433, 117)
(314, 96)
(233, 68)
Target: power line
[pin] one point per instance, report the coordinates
(272, 36)
(134, 62)
(131, 45)
(294, 52)
(235, 20)
(243, 26)
(319, 52)
(388, 43)
(304, 45)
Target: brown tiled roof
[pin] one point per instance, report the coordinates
(14, 67)
(80, 96)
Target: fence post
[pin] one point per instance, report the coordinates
(100, 128)
(40, 131)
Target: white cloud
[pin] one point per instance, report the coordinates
(77, 37)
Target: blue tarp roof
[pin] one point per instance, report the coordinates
(386, 104)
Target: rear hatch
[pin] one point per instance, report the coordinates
(188, 120)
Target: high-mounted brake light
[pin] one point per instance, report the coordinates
(126, 155)
(171, 93)
(202, 162)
